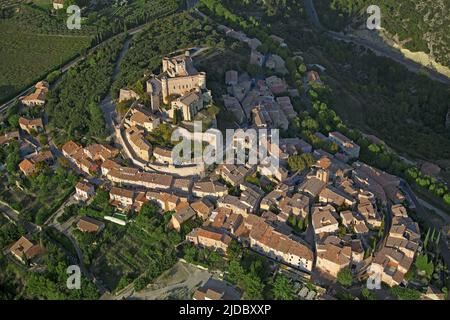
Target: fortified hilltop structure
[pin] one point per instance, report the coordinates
(180, 87)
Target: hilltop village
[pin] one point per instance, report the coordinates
(320, 221)
(318, 217)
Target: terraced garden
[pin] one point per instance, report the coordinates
(145, 249)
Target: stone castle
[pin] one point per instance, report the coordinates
(180, 87)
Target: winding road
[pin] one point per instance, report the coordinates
(385, 51)
(107, 104)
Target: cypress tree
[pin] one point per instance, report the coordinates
(432, 235)
(438, 238)
(425, 242)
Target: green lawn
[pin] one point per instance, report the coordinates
(26, 57)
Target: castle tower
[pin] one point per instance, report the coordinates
(323, 175)
(165, 89)
(165, 64)
(202, 80)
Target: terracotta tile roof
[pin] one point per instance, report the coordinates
(207, 295)
(182, 183)
(184, 212)
(366, 209)
(361, 228)
(164, 197)
(39, 94)
(99, 151)
(324, 163)
(265, 234)
(88, 224)
(312, 186)
(203, 207)
(335, 195)
(209, 187)
(234, 173)
(42, 156)
(25, 247)
(26, 166)
(141, 197)
(140, 142)
(71, 148)
(229, 200)
(156, 178)
(347, 216)
(216, 290)
(213, 235)
(323, 217)
(109, 165)
(82, 160)
(86, 187)
(121, 192)
(140, 118)
(334, 254)
(399, 210)
(30, 122)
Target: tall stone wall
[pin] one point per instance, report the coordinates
(182, 85)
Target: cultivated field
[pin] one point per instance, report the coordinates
(25, 57)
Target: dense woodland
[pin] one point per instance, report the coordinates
(73, 105)
(270, 10)
(419, 25)
(406, 110)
